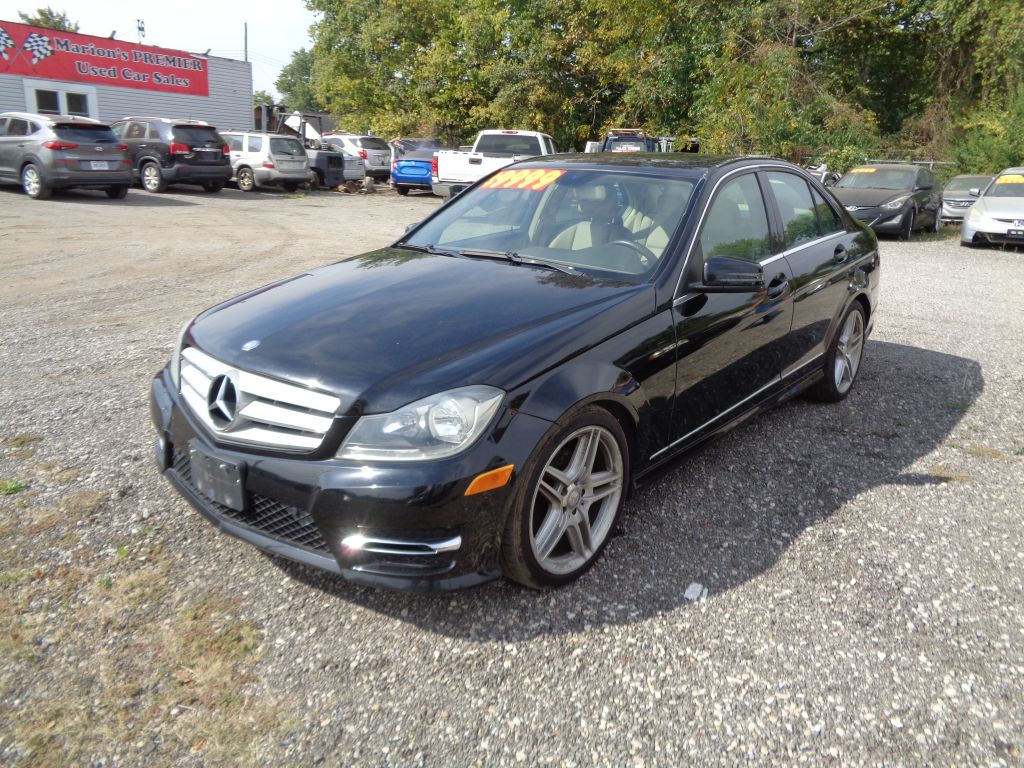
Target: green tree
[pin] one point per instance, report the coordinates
(294, 83)
(49, 18)
(259, 98)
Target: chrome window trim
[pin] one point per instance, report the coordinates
(691, 433)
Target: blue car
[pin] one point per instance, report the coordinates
(412, 163)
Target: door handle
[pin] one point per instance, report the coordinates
(778, 286)
(840, 253)
(475, 160)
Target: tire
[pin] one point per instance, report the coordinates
(318, 180)
(557, 526)
(907, 229)
(842, 362)
(213, 186)
(152, 178)
(246, 180)
(290, 186)
(33, 184)
(938, 222)
(120, 192)
(403, 191)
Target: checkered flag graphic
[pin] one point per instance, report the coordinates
(5, 43)
(39, 46)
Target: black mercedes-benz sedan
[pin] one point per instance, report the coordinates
(481, 397)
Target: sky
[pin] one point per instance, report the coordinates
(276, 29)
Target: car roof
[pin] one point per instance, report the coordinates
(51, 119)
(241, 131)
(170, 120)
(1015, 169)
(679, 160)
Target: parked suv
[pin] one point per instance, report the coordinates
(47, 152)
(267, 159)
(374, 151)
(166, 151)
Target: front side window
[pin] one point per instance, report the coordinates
(234, 142)
(737, 222)
(135, 131)
(796, 208)
(619, 223)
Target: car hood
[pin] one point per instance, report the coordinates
(866, 197)
(392, 326)
(1001, 207)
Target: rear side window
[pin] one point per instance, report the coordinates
(828, 220)
(509, 143)
(254, 143)
(17, 127)
(796, 209)
(369, 142)
(196, 134)
(287, 147)
(100, 134)
(737, 222)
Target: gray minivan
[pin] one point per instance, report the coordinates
(47, 152)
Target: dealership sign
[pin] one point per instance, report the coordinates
(54, 55)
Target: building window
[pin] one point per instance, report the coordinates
(78, 104)
(47, 102)
(53, 97)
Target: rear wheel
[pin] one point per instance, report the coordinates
(119, 192)
(246, 180)
(401, 190)
(570, 495)
(33, 184)
(842, 363)
(290, 186)
(152, 178)
(213, 186)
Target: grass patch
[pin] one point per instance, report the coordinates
(1018, 451)
(960, 406)
(11, 487)
(984, 453)
(84, 503)
(68, 475)
(940, 472)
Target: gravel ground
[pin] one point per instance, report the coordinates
(862, 562)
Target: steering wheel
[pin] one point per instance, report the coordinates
(644, 254)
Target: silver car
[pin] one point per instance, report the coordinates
(47, 152)
(267, 159)
(374, 151)
(956, 196)
(998, 215)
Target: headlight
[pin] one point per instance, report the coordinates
(897, 203)
(176, 360)
(432, 428)
(975, 215)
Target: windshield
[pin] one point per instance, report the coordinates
(287, 147)
(869, 177)
(98, 133)
(598, 222)
(1007, 185)
(964, 183)
(510, 143)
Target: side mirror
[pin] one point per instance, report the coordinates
(725, 274)
(922, 186)
(974, 192)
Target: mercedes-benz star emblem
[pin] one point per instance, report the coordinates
(222, 400)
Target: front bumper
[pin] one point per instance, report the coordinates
(196, 174)
(881, 220)
(269, 177)
(390, 525)
(990, 232)
(953, 211)
(69, 179)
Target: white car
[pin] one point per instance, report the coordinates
(998, 215)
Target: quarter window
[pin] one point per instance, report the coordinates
(796, 209)
(737, 223)
(828, 220)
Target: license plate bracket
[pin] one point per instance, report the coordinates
(99, 165)
(217, 479)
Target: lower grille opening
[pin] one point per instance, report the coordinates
(265, 515)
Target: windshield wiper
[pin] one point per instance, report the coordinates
(427, 248)
(515, 258)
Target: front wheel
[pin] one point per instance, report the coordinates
(571, 494)
(842, 363)
(246, 180)
(908, 225)
(33, 184)
(938, 221)
(120, 192)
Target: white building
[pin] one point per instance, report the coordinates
(52, 72)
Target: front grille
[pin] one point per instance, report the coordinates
(271, 517)
(267, 412)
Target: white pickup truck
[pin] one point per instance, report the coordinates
(454, 170)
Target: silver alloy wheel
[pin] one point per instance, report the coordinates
(849, 351)
(575, 501)
(150, 177)
(246, 180)
(31, 181)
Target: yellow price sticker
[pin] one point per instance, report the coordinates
(1010, 178)
(534, 179)
(863, 170)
